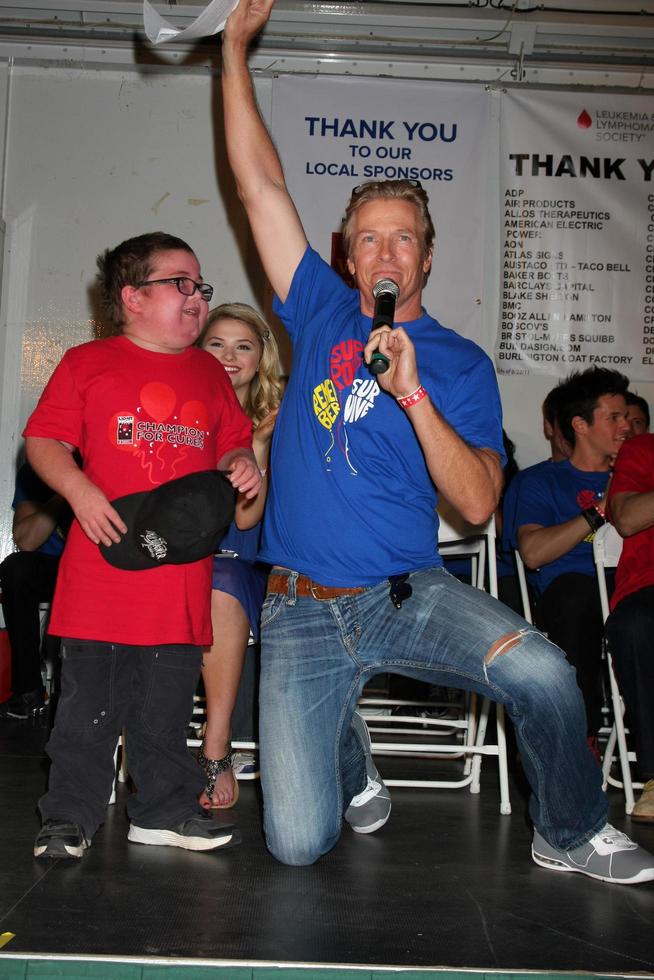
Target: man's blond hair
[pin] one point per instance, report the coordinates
(380, 190)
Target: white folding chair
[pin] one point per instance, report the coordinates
(456, 538)
(607, 548)
(522, 583)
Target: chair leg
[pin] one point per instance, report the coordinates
(505, 799)
(609, 753)
(112, 798)
(120, 769)
(471, 730)
(479, 741)
(623, 751)
(503, 768)
(123, 775)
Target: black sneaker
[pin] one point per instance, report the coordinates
(26, 705)
(59, 839)
(196, 833)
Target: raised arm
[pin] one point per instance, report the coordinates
(275, 223)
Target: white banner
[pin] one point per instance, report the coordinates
(336, 133)
(578, 233)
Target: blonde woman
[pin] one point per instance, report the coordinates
(242, 341)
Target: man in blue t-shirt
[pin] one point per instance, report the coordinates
(558, 510)
(358, 586)
(28, 577)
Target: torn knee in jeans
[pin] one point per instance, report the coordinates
(504, 644)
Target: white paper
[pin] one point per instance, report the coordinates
(210, 21)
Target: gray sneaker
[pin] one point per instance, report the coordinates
(609, 856)
(196, 833)
(370, 809)
(60, 839)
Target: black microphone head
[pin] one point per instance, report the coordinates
(386, 286)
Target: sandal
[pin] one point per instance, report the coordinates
(213, 768)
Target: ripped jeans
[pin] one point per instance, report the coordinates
(317, 656)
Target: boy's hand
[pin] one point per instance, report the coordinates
(101, 523)
(244, 474)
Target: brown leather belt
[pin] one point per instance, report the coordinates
(278, 585)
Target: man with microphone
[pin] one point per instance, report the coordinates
(358, 586)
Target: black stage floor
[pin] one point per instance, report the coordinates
(448, 883)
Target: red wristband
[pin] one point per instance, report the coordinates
(406, 401)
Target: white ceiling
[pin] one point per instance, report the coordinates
(593, 42)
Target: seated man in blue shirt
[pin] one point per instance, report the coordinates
(557, 511)
(27, 577)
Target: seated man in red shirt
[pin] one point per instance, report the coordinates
(630, 626)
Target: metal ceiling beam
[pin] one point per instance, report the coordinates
(422, 38)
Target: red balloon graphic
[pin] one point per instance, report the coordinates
(158, 399)
(194, 414)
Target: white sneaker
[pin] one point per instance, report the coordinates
(609, 856)
(245, 765)
(370, 809)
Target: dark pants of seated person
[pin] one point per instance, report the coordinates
(630, 632)
(28, 578)
(569, 611)
(145, 692)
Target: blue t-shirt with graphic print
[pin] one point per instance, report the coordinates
(351, 500)
(550, 494)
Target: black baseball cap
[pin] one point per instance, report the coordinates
(179, 522)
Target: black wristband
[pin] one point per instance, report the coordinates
(595, 519)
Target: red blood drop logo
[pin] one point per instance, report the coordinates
(584, 120)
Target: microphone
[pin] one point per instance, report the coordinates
(386, 292)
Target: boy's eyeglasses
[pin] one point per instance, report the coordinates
(185, 286)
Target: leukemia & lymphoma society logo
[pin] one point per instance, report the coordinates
(617, 125)
(584, 120)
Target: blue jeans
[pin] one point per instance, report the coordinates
(317, 656)
(147, 692)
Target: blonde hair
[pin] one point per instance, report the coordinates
(375, 190)
(266, 387)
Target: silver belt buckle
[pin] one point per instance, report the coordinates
(226, 554)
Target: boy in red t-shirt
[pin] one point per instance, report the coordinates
(142, 407)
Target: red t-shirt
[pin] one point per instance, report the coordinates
(634, 472)
(139, 419)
